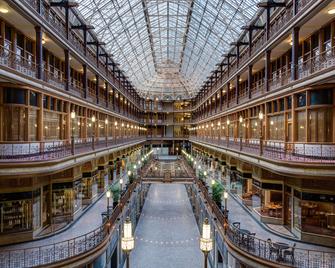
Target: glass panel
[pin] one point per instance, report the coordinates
(301, 126)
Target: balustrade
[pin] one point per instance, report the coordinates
(277, 150)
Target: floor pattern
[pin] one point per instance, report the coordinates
(167, 234)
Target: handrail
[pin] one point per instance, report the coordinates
(303, 258)
(67, 249)
(284, 151)
(51, 150)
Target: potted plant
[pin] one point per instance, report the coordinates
(217, 190)
(115, 189)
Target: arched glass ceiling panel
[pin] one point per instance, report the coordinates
(168, 47)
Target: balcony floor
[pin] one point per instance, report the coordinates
(167, 234)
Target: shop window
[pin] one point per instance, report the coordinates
(15, 123)
(281, 105)
(275, 106)
(289, 102)
(268, 199)
(301, 99)
(315, 213)
(52, 104)
(45, 102)
(276, 127)
(62, 198)
(14, 96)
(37, 209)
(33, 98)
(269, 107)
(15, 212)
(32, 115)
(52, 122)
(324, 96)
(301, 126)
(320, 125)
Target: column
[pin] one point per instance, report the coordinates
(40, 118)
(39, 52)
(97, 88)
(267, 69)
(67, 69)
(85, 80)
(249, 80)
(250, 41)
(295, 53)
(106, 93)
(268, 23)
(237, 89)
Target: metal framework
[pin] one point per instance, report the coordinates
(168, 47)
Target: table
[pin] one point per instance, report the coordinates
(280, 246)
(244, 232)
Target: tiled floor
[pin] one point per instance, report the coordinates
(167, 234)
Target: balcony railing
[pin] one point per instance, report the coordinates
(277, 150)
(51, 150)
(282, 77)
(260, 248)
(61, 251)
(282, 20)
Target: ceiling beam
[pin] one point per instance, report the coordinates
(147, 20)
(188, 22)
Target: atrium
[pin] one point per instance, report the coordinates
(167, 133)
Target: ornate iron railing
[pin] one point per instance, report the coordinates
(284, 151)
(50, 150)
(260, 248)
(65, 250)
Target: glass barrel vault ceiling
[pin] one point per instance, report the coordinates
(167, 48)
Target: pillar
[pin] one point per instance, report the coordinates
(67, 69)
(249, 80)
(39, 52)
(85, 80)
(295, 53)
(267, 73)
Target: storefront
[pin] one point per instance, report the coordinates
(314, 214)
(90, 186)
(103, 178)
(241, 186)
(267, 200)
(16, 214)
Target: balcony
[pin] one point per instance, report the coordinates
(52, 150)
(255, 248)
(281, 78)
(279, 23)
(276, 150)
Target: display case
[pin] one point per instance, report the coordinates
(16, 212)
(62, 200)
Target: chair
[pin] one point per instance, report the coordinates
(290, 252)
(237, 225)
(272, 249)
(252, 240)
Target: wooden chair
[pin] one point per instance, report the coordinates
(237, 225)
(272, 249)
(290, 252)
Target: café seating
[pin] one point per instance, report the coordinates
(272, 249)
(237, 225)
(290, 252)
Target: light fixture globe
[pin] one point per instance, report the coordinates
(127, 240)
(206, 242)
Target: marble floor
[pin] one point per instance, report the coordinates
(167, 234)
